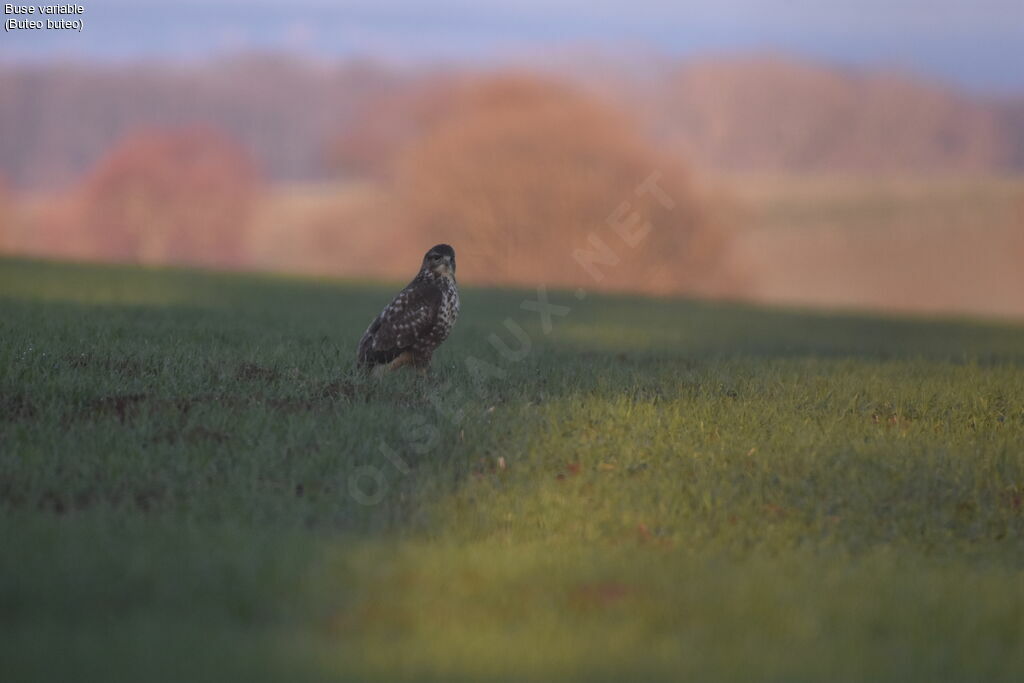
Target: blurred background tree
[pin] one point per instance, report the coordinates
(521, 172)
(170, 196)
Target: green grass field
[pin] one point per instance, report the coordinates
(194, 485)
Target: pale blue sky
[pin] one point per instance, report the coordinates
(979, 44)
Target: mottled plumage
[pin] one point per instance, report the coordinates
(418, 319)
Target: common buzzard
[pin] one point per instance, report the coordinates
(417, 320)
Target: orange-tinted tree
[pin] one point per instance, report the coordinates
(532, 180)
(170, 196)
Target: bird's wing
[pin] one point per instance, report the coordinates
(406, 317)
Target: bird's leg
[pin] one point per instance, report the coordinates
(403, 358)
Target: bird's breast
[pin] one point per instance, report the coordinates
(449, 311)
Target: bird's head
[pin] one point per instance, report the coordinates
(440, 260)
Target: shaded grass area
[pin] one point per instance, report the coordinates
(194, 485)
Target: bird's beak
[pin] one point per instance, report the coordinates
(450, 262)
